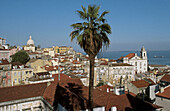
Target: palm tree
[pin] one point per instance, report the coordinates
(91, 35)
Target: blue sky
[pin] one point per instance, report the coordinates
(134, 22)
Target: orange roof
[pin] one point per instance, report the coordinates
(165, 94)
(104, 63)
(130, 55)
(4, 62)
(22, 92)
(76, 62)
(65, 60)
(165, 78)
(143, 83)
(112, 60)
(50, 68)
(105, 88)
(73, 95)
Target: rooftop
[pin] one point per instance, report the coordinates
(165, 78)
(22, 92)
(165, 94)
(143, 83)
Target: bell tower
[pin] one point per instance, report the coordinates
(143, 53)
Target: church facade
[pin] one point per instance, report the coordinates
(140, 63)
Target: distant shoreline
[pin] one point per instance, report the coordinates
(134, 51)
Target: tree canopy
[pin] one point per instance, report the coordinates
(93, 32)
(21, 57)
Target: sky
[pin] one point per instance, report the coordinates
(134, 23)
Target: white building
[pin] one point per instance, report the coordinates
(140, 62)
(2, 41)
(122, 71)
(30, 45)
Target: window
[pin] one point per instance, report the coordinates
(8, 73)
(19, 73)
(9, 81)
(15, 73)
(22, 72)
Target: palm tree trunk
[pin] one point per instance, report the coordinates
(91, 82)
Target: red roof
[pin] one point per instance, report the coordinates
(165, 94)
(105, 88)
(50, 68)
(112, 60)
(130, 55)
(71, 96)
(42, 73)
(62, 77)
(105, 63)
(50, 91)
(76, 62)
(4, 62)
(143, 83)
(65, 60)
(22, 92)
(165, 78)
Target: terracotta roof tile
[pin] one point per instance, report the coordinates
(130, 55)
(76, 62)
(165, 78)
(105, 88)
(74, 96)
(4, 62)
(143, 83)
(105, 63)
(22, 92)
(50, 68)
(165, 94)
(112, 60)
(42, 73)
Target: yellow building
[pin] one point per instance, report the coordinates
(48, 49)
(36, 64)
(20, 75)
(62, 49)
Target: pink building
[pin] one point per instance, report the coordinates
(6, 53)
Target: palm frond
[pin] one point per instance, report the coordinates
(106, 28)
(81, 14)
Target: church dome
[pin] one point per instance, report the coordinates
(30, 41)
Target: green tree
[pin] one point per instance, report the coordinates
(21, 57)
(91, 35)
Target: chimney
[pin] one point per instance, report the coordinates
(161, 90)
(107, 89)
